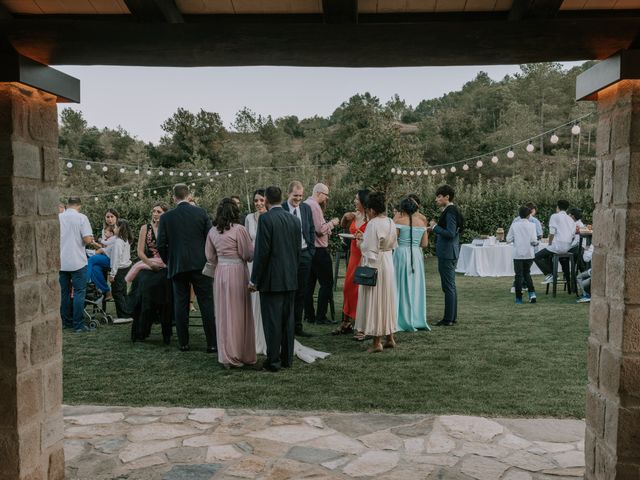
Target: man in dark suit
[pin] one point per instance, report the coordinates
(447, 232)
(181, 237)
(275, 276)
(302, 212)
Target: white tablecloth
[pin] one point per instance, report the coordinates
(488, 261)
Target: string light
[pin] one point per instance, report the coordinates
(433, 172)
(425, 172)
(122, 170)
(554, 138)
(530, 147)
(171, 174)
(136, 171)
(182, 174)
(479, 163)
(442, 171)
(155, 192)
(393, 170)
(189, 174)
(419, 172)
(148, 172)
(69, 164)
(95, 199)
(412, 173)
(161, 173)
(453, 169)
(404, 172)
(115, 197)
(575, 130)
(229, 175)
(246, 171)
(494, 159)
(208, 174)
(105, 168)
(135, 194)
(217, 173)
(199, 174)
(511, 153)
(465, 167)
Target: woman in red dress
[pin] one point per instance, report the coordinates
(356, 222)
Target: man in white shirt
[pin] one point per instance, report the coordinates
(562, 229)
(75, 234)
(523, 236)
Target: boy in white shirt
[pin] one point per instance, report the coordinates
(522, 234)
(562, 229)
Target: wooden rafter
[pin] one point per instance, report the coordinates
(340, 11)
(155, 10)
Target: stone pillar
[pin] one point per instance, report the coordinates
(31, 422)
(612, 442)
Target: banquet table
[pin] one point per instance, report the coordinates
(488, 261)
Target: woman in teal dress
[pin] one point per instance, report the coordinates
(408, 261)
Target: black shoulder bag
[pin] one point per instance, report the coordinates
(367, 276)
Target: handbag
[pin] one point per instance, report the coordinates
(208, 270)
(367, 276)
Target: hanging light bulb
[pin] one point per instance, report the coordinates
(404, 172)
(95, 199)
(465, 167)
(137, 171)
(189, 174)
(193, 184)
(161, 173)
(246, 171)
(494, 159)
(453, 169)
(419, 172)
(69, 164)
(115, 197)
(442, 171)
(155, 191)
(105, 168)
(171, 174)
(148, 172)
(229, 175)
(393, 170)
(208, 174)
(511, 153)
(425, 172)
(182, 174)
(479, 163)
(211, 179)
(412, 173)
(434, 172)
(576, 129)
(88, 166)
(217, 173)
(530, 147)
(554, 138)
(199, 174)
(121, 170)
(135, 194)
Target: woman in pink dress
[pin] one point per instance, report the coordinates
(228, 249)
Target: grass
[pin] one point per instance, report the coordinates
(501, 360)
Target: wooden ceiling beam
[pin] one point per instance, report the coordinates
(155, 10)
(340, 11)
(523, 9)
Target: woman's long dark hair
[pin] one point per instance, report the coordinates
(363, 197)
(227, 214)
(113, 212)
(124, 230)
(409, 206)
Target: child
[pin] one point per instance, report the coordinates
(523, 236)
(100, 258)
(116, 257)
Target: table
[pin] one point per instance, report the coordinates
(488, 261)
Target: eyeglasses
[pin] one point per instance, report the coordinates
(325, 194)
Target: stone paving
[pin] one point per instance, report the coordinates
(203, 444)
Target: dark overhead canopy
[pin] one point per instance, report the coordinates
(341, 33)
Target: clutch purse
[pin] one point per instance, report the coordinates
(367, 276)
(208, 270)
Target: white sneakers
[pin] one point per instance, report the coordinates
(117, 321)
(547, 279)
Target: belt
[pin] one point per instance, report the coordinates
(229, 260)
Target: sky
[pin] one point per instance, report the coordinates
(139, 99)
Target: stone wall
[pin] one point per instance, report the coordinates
(31, 424)
(612, 442)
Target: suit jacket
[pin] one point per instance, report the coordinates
(277, 252)
(447, 234)
(308, 230)
(182, 234)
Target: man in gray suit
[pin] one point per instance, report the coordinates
(447, 231)
(275, 276)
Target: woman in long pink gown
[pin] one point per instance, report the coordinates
(228, 249)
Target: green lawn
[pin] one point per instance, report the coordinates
(501, 359)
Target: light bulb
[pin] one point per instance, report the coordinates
(511, 153)
(530, 147)
(135, 194)
(189, 174)
(199, 174)
(246, 171)
(575, 129)
(104, 169)
(88, 166)
(136, 171)
(425, 172)
(419, 172)
(479, 163)
(148, 172)
(412, 173)
(404, 172)
(155, 191)
(69, 164)
(554, 138)
(453, 169)
(95, 199)
(494, 159)
(208, 174)
(217, 173)
(115, 197)
(393, 170)
(193, 184)
(182, 174)
(171, 174)
(121, 170)
(211, 179)
(161, 173)
(229, 175)
(433, 172)
(465, 167)
(442, 171)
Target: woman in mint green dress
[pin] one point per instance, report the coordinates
(408, 261)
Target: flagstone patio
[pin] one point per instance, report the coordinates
(202, 444)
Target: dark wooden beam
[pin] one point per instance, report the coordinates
(5, 14)
(340, 11)
(155, 10)
(123, 41)
(523, 9)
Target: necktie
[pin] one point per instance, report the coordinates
(295, 212)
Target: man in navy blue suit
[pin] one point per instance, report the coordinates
(447, 231)
(302, 212)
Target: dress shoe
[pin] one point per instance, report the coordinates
(323, 321)
(269, 368)
(184, 348)
(302, 333)
(212, 350)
